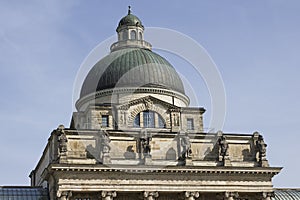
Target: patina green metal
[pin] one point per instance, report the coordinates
(132, 67)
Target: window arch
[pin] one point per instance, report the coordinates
(133, 35)
(150, 119)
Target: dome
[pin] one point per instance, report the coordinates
(131, 67)
(130, 20)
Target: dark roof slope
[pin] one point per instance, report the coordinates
(23, 193)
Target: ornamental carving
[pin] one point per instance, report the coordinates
(189, 195)
(108, 195)
(64, 195)
(150, 195)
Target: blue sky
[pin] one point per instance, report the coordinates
(255, 45)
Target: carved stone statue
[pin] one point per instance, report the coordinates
(176, 119)
(223, 146)
(186, 144)
(62, 140)
(262, 148)
(105, 147)
(146, 146)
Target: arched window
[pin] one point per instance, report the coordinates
(124, 35)
(133, 35)
(140, 36)
(149, 120)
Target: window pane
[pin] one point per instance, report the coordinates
(137, 121)
(161, 122)
(148, 117)
(190, 124)
(104, 120)
(133, 35)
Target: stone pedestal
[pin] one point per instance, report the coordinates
(264, 163)
(226, 161)
(188, 162)
(148, 160)
(106, 159)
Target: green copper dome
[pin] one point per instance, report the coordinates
(132, 67)
(129, 20)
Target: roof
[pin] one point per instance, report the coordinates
(287, 194)
(129, 20)
(23, 193)
(131, 67)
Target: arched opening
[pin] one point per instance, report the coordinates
(133, 35)
(124, 35)
(149, 119)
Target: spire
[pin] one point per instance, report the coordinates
(129, 10)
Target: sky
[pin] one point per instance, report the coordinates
(254, 44)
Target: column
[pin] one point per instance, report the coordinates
(150, 195)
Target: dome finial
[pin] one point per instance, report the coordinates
(129, 10)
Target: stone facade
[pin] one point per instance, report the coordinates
(148, 144)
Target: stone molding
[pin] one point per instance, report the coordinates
(115, 91)
(186, 170)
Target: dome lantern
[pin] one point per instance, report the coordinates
(130, 33)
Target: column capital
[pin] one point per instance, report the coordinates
(267, 195)
(150, 195)
(231, 195)
(64, 195)
(108, 195)
(189, 195)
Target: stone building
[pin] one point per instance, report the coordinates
(134, 136)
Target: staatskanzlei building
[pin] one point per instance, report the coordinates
(134, 136)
